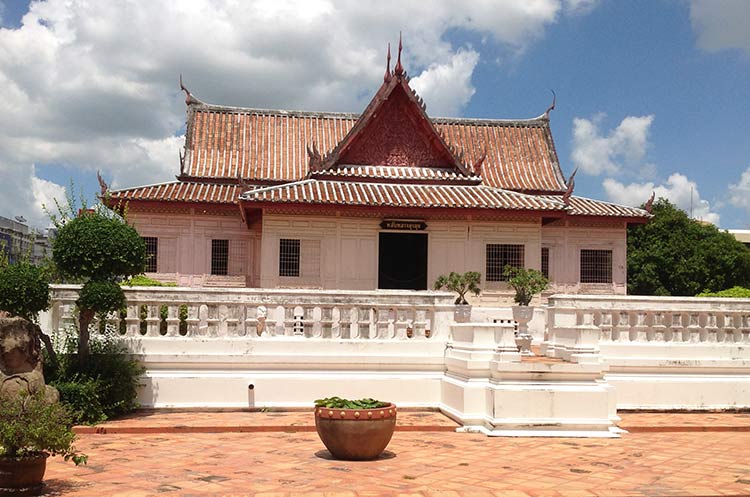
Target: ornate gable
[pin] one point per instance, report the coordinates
(394, 130)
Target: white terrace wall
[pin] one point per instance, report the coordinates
(291, 346)
(662, 352)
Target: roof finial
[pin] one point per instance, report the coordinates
(399, 69)
(102, 185)
(650, 203)
(387, 75)
(551, 107)
(189, 98)
(571, 186)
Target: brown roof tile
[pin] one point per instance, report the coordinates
(181, 191)
(313, 191)
(270, 145)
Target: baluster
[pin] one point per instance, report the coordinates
(325, 322)
(605, 324)
(658, 329)
(222, 321)
(694, 327)
(363, 323)
(194, 320)
(173, 320)
(345, 323)
(710, 329)
(421, 326)
(295, 320)
(383, 320)
(401, 323)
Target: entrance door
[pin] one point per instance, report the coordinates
(402, 262)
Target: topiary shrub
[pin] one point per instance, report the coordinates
(24, 290)
(100, 247)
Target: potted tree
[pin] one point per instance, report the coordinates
(526, 283)
(354, 430)
(462, 284)
(32, 430)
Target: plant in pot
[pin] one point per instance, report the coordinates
(355, 430)
(526, 283)
(32, 430)
(462, 284)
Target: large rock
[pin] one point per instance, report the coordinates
(21, 368)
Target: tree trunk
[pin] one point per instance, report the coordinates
(48, 345)
(84, 319)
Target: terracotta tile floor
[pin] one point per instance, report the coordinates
(417, 463)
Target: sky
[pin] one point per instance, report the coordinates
(652, 95)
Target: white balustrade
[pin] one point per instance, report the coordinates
(629, 328)
(257, 314)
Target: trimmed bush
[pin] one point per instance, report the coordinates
(24, 290)
(104, 296)
(81, 396)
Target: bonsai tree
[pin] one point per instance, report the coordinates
(526, 283)
(459, 283)
(98, 247)
(24, 292)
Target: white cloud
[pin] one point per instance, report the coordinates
(739, 193)
(721, 24)
(580, 7)
(596, 153)
(93, 85)
(447, 87)
(678, 189)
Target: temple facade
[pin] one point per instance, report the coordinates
(387, 199)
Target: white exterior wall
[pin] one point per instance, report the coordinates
(184, 247)
(342, 253)
(566, 241)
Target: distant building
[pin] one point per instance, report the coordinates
(742, 236)
(18, 240)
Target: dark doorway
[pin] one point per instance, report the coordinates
(402, 262)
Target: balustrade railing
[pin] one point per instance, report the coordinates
(615, 322)
(185, 312)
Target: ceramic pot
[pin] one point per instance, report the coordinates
(355, 434)
(462, 313)
(522, 314)
(22, 475)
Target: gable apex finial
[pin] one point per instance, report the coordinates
(551, 107)
(387, 75)
(399, 69)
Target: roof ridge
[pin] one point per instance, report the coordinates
(145, 186)
(541, 119)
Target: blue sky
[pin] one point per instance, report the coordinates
(651, 95)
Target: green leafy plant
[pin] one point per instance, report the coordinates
(143, 280)
(98, 246)
(32, 426)
(736, 292)
(183, 315)
(459, 283)
(24, 290)
(104, 387)
(339, 403)
(675, 255)
(526, 283)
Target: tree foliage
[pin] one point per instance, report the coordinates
(24, 290)
(98, 247)
(459, 283)
(675, 255)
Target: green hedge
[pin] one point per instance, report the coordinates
(734, 293)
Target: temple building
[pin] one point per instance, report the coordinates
(387, 199)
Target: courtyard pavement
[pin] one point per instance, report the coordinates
(277, 455)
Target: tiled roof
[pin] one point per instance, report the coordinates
(179, 191)
(581, 206)
(313, 191)
(270, 145)
(395, 173)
